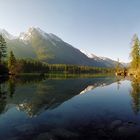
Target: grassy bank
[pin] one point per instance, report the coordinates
(63, 75)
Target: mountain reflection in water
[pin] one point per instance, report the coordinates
(69, 108)
(34, 96)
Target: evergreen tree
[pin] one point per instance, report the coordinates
(2, 48)
(118, 66)
(12, 63)
(135, 53)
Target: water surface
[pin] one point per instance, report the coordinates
(69, 108)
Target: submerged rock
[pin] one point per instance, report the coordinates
(25, 128)
(45, 136)
(115, 124)
(128, 130)
(102, 133)
(14, 138)
(60, 132)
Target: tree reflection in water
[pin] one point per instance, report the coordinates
(8, 87)
(3, 94)
(34, 94)
(135, 94)
(11, 87)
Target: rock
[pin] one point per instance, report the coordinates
(45, 136)
(115, 124)
(14, 138)
(25, 128)
(63, 133)
(128, 130)
(102, 126)
(130, 123)
(102, 133)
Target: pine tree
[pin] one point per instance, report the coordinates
(118, 66)
(135, 53)
(12, 63)
(2, 48)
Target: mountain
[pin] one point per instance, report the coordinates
(47, 47)
(5, 34)
(107, 61)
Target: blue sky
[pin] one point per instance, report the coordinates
(101, 27)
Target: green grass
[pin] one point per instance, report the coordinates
(28, 74)
(76, 75)
(64, 76)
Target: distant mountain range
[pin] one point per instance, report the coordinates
(47, 47)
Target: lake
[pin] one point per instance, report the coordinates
(51, 108)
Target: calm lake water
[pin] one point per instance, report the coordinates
(69, 108)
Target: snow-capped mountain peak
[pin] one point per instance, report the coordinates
(36, 30)
(40, 31)
(93, 56)
(25, 36)
(6, 34)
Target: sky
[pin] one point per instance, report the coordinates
(102, 27)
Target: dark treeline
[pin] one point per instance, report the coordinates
(34, 66)
(77, 69)
(31, 66)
